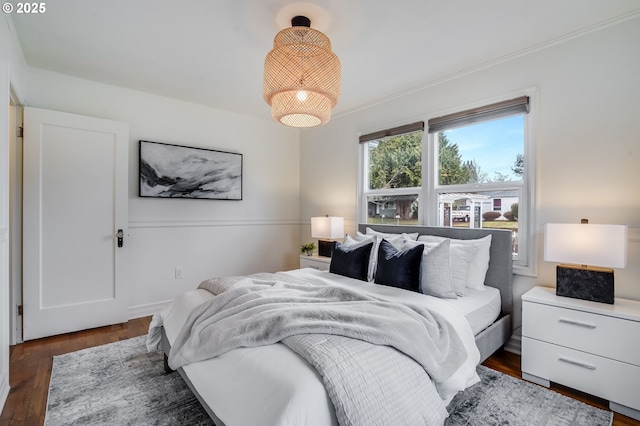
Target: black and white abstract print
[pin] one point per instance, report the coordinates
(174, 171)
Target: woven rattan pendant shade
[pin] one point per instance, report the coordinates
(301, 77)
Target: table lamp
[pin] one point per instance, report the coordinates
(586, 253)
(326, 228)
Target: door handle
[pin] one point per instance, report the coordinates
(120, 235)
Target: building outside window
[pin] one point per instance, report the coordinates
(470, 169)
(393, 177)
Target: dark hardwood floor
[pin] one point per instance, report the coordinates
(30, 370)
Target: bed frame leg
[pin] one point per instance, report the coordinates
(167, 369)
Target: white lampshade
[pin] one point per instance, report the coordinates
(327, 227)
(586, 244)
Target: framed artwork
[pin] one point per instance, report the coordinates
(176, 171)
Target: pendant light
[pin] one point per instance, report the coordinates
(301, 76)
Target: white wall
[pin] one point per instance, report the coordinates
(588, 139)
(207, 238)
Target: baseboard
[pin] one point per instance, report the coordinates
(514, 345)
(4, 391)
(146, 310)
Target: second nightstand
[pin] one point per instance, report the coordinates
(316, 262)
(589, 346)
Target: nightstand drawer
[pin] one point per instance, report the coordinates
(603, 377)
(315, 262)
(597, 334)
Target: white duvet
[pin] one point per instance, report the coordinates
(278, 385)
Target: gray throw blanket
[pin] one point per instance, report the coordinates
(314, 320)
(371, 385)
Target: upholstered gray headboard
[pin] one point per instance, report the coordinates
(500, 272)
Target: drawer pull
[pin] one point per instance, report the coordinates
(578, 363)
(578, 323)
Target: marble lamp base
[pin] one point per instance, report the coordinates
(595, 284)
(325, 247)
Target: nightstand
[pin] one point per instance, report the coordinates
(316, 262)
(589, 346)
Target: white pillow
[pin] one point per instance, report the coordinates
(365, 239)
(350, 241)
(411, 236)
(470, 255)
(435, 271)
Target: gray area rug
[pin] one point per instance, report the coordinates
(122, 384)
(119, 384)
(504, 400)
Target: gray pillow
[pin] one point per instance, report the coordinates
(436, 269)
(469, 261)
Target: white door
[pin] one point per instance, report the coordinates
(75, 199)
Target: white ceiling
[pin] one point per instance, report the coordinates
(212, 51)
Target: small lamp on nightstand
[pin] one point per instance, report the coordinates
(326, 228)
(575, 246)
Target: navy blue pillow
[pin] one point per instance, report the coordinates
(399, 268)
(350, 261)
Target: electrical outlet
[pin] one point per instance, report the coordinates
(179, 272)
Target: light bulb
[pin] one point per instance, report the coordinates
(301, 95)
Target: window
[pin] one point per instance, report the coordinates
(480, 166)
(472, 169)
(393, 177)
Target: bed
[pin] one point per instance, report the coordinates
(289, 384)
